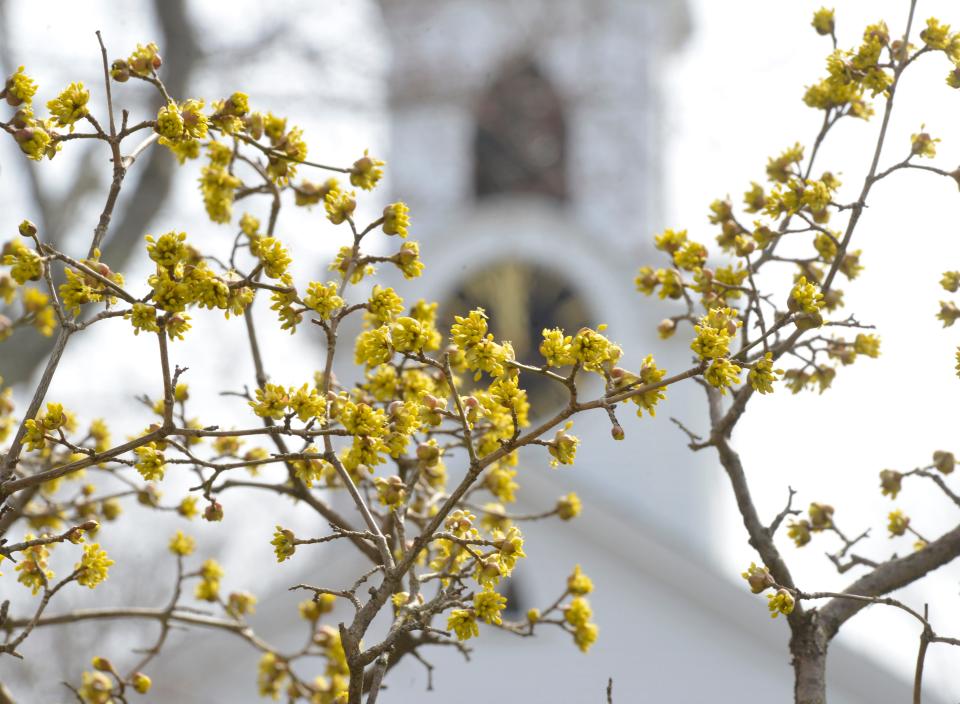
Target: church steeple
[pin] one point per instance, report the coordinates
(527, 139)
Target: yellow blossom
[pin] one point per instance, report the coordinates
(93, 566)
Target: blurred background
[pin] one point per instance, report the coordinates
(540, 144)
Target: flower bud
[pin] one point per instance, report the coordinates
(821, 516)
(102, 664)
(921, 143)
(489, 570)
(27, 229)
(24, 135)
(744, 246)
(944, 461)
(890, 482)
(325, 636)
(616, 432)
(810, 321)
(568, 507)
(20, 119)
(666, 328)
(150, 496)
(428, 454)
(759, 578)
(111, 509)
(833, 297)
(140, 682)
(213, 512)
(254, 123)
(119, 71)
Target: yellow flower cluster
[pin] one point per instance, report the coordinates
(70, 105)
(323, 299)
(19, 89)
(81, 288)
(50, 420)
(208, 588)
(183, 279)
(593, 351)
(93, 566)
(272, 255)
(275, 401)
(366, 172)
(563, 447)
(182, 545)
(578, 614)
(805, 297)
(287, 149)
(481, 352)
(150, 461)
(762, 374)
(25, 264)
(144, 61)
(487, 605)
(782, 602)
(578, 583)
(283, 543)
(714, 333)
(463, 622)
(396, 219)
(897, 523)
(34, 573)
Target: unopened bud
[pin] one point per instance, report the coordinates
(213, 512)
(944, 461)
(27, 229)
(119, 71)
(150, 496)
(810, 321)
(102, 664)
(141, 683)
(428, 454)
(666, 328)
(20, 119)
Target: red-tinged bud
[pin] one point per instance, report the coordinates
(213, 512)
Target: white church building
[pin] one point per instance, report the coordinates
(527, 136)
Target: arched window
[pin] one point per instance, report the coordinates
(520, 141)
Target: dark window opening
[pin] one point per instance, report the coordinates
(520, 142)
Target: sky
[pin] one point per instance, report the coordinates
(733, 98)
